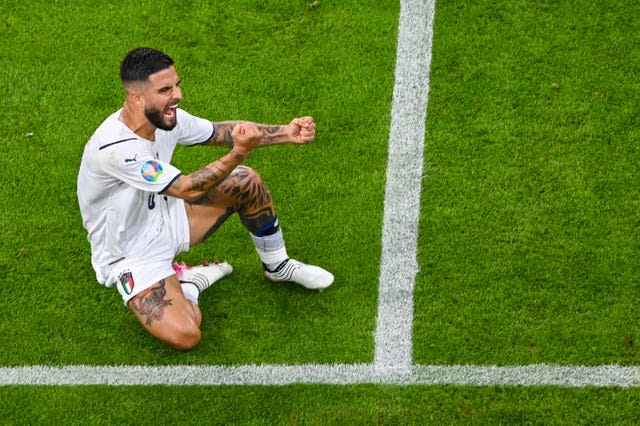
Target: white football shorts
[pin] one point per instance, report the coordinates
(134, 274)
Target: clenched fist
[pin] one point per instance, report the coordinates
(302, 130)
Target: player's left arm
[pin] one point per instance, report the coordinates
(299, 131)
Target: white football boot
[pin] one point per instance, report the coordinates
(202, 276)
(308, 276)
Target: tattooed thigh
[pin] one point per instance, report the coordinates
(151, 303)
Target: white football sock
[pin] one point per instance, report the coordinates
(190, 291)
(271, 249)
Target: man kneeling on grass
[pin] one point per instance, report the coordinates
(140, 211)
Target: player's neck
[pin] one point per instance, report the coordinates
(138, 123)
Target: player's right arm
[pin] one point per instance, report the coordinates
(196, 185)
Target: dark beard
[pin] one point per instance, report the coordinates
(155, 117)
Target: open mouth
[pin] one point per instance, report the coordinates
(170, 111)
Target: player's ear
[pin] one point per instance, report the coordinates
(134, 92)
(138, 98)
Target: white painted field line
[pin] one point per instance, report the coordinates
(399, 265)
(338, 374)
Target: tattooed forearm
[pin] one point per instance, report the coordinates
(213, 174)
(152, 302)
(196, 185)
(271, 135)
(228, 139)
(222, 135)
(205, 178)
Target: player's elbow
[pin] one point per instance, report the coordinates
(184, 188)
(194, 195)
(187, 195)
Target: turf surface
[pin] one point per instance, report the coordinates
(527, 243)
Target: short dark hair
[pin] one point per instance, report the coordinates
(141, 62)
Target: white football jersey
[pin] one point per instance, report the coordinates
(120, 178)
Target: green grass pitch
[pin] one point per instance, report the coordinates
(528, 236)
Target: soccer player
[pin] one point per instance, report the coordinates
(140, 211)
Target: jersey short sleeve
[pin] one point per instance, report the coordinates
(135, 164)
(193, 130)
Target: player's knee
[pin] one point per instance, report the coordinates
(245, 173)
(185, 337)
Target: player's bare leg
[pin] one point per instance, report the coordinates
(165, 312)
(245, 193)
(169, 309)
(242, 192)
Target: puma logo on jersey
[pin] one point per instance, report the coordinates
(131, 160)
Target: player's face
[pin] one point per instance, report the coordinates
(162, 95)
